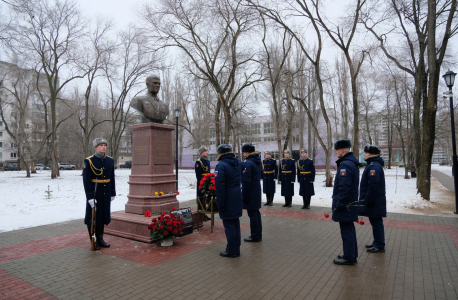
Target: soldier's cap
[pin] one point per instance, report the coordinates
(99, 141)
(304, 150)
(224, 148)
(268, 152)
(202, 149)
(372, 149)
(287, 151)
(248, 148)
(342, 144)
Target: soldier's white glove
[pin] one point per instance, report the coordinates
(112, 198)
(91, 202)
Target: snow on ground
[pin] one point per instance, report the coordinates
(25, 202)
(447, 170)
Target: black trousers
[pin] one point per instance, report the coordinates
(255, 224)
(233, 235)
(378, 231)
(350, 246)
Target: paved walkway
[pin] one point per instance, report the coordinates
(294, 261)
(444, 179)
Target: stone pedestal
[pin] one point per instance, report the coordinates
(152, 171)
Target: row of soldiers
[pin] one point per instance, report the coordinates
(289, 171)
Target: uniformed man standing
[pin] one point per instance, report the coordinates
(99, 185)
(287, 178)
(305, 177)
(251, 191)
(269, 175)
(202, 168)
(228, 174)
(345, 201)
(372, 197)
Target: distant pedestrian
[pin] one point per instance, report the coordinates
(287, 176)
(228, 174)
(251, 191)
(99, 185)
(305, 177)
(269, 175)
(372, 197)
(413, 169)
(345, 200)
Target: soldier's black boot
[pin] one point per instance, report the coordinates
(267, 199)
(286, 202)
(96, 245)
(289, 202)
(308, 202)
(271, 203)
(304, 200)
(99, 234)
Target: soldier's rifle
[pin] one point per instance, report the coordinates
(93, 220)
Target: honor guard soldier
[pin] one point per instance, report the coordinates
(287, 178)
(305, 177)
(269, 175)
(202, 168)
(372, 197)
(251, 191)
(99, 185)
(228, 175)
(345, 201)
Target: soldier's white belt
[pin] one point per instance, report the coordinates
(100, 180)
(268, 172)
(306, 172)
(286, 171)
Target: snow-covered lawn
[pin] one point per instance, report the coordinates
(447, 170)
(25, 203)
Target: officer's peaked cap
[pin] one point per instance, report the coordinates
(248, 148)
(304, 150)
(342, 144)
(224, 148)
(99, 141)
(202, 149)
(268, 152)
(372, 149)
(287, 151)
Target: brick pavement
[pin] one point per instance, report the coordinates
(294, 261)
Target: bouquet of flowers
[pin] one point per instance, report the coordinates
(166, 227)
(207, 186)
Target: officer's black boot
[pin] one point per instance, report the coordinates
(308, 202)
(271, 203)
(286, 202)
(267, 199)
(96, 244)
(99, 231)
(304, 200)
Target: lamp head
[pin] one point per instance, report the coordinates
(449, 78)
(177, 112)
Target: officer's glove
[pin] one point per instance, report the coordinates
(91, 202)
(112, 198)
(246, 200)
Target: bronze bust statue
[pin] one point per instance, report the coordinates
(149, 106)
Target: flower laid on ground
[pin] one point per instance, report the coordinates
(155, 194)
(326, 215)
(177, 192)
(360, 221)
(167, 226)
(148, 213)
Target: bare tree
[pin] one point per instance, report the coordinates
(49, 33)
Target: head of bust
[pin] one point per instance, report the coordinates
(153, 84)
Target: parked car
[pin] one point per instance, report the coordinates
(11, 168)
(127, 165)
(66, 166)
(41, 167)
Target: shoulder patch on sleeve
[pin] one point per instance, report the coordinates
(372, 172)
(343, 172)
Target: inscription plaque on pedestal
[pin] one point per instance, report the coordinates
(162, 154)
(140, 150)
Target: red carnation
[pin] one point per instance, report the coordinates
(166, 233)
(169, 228)
(169, 222)
(180, 229)
(149, 226)
(175, 225)
(167, 217)
(154, 227)
(182, 222)
(174, 208)
(178, 194)
(163, 212)
(175, 231)
(361, 223)
(154, 220)
(161, 227)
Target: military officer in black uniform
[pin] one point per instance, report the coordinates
(99, 185)
(305, 177)
(269, 175)
(202, 168)
(287, 177)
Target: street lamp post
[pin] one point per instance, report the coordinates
(177, 115)
(449, 78)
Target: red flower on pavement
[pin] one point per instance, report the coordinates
(326, 215)
(148, 213)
